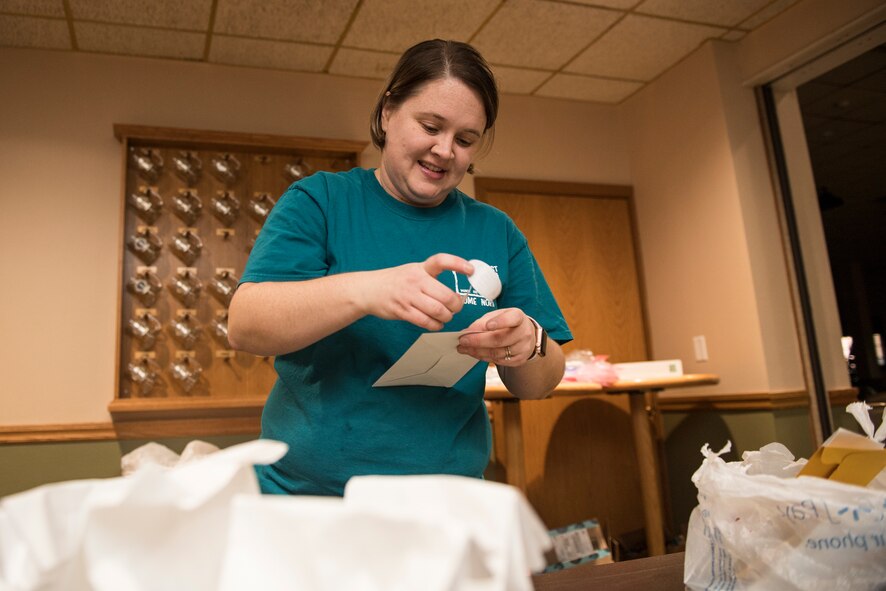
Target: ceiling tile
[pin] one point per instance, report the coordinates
(261, 53)
(192, 15)
(714, 12)
(364, 64)
(33, 7)
(25, 31)
(857, 69)
(140, 42)
(871, 137)
(814, 90)
(758, 18)
(874, 82)
(849, 103)
(289, 20)
(872, 111)
(395, 25)
(518, 80)
(619, 4)
(588, 89)
(824, 130)
(641, 47)
(541, 35)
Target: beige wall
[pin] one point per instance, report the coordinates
(708, 227)
(708, 216)
(690, 144)
(60, 182)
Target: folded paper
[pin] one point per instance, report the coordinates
(432, 360)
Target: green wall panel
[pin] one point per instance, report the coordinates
(27, 465)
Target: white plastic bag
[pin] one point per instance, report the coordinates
(763, 532)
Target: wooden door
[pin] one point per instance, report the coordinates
(579, 453)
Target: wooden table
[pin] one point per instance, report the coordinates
(644, 443)
(661, 573)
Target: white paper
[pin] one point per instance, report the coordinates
(389, 533)
(321, 544)
(158, 529)
(509, 536)
(203, 525)
(432, 360)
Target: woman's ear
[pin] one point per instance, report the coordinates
(385, 117)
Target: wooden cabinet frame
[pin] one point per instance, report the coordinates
(217, 409)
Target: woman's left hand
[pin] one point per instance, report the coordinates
(505, 337)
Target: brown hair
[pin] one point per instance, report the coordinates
(433, 60)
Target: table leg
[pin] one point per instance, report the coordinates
(515, 464)
(648, 466)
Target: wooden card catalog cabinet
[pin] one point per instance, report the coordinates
(193, 204)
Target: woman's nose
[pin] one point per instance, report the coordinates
(443, 147)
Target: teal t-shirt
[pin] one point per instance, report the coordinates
(323, 404)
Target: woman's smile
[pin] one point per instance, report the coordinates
(431, 140)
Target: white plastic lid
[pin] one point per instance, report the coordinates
(485, 280)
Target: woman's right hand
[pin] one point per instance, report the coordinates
(412, 293)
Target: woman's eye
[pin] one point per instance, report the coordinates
(464, 143)
(429, 128)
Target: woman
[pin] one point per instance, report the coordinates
(351, 268)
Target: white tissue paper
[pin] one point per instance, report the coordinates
(861, 412)
(317, 543)
(774, 459)
(203, 524)
(435, 533)
(157, 529)
(511, 539)
(159, 455)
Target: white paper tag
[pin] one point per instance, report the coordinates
(573, 545)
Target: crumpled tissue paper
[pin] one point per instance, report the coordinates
(153, 453)
(203, 524)
(156, 529)
(774, 459)
(389, 533)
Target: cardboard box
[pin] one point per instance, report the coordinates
(847, 457)
(578, 543)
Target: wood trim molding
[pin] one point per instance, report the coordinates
(142, 428)
(66, 433)
(843, 396)
(230, 139)
(238, 417)
(750, 401)
(129, 409)
(152, 419)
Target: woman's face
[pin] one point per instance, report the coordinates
(430, 140)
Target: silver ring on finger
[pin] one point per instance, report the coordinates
(508, 354)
